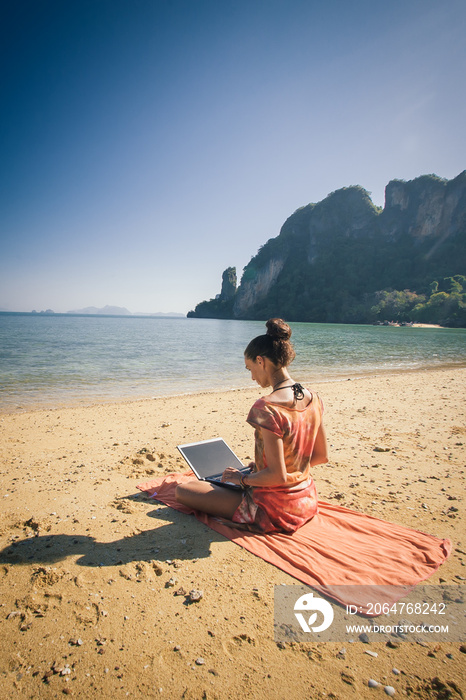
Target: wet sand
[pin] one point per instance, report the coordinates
(89, 567)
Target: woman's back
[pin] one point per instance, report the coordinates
(296, 422)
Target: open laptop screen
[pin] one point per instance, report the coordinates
(209, 458)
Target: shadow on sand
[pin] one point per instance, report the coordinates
(182, 538)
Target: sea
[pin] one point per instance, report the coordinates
(50, 361)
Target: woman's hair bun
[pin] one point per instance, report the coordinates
(275, 344)
(277, 329)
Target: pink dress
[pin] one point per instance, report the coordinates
(283, 508)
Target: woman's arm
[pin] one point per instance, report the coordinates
(274, 473)
(320, 452)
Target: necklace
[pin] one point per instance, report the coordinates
(274, 388)
(297, 389)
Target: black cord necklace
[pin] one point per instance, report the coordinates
(298, 390)
(275, 387)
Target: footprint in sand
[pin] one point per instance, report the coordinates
(45, 576)
(141, 571)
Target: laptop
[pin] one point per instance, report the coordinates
(209, 458)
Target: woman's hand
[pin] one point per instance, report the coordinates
(233, 476)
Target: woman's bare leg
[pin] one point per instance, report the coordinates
(209, 498)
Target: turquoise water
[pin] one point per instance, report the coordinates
(48, 361)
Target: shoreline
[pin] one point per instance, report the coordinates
(308, 379)
(428, 325)
(86, 560)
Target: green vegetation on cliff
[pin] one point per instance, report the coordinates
(214, 308)
(345, 260)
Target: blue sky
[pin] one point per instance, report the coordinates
(147, 145)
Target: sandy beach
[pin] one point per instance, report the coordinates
(88, 608)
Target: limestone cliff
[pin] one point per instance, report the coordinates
(253, 290)
(229, 282)
(331, 255)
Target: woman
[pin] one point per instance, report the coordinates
(278, 495)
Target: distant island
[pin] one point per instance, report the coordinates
(345, 260)
(120, 311)
(104, 311)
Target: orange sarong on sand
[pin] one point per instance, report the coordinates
(337, 547)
